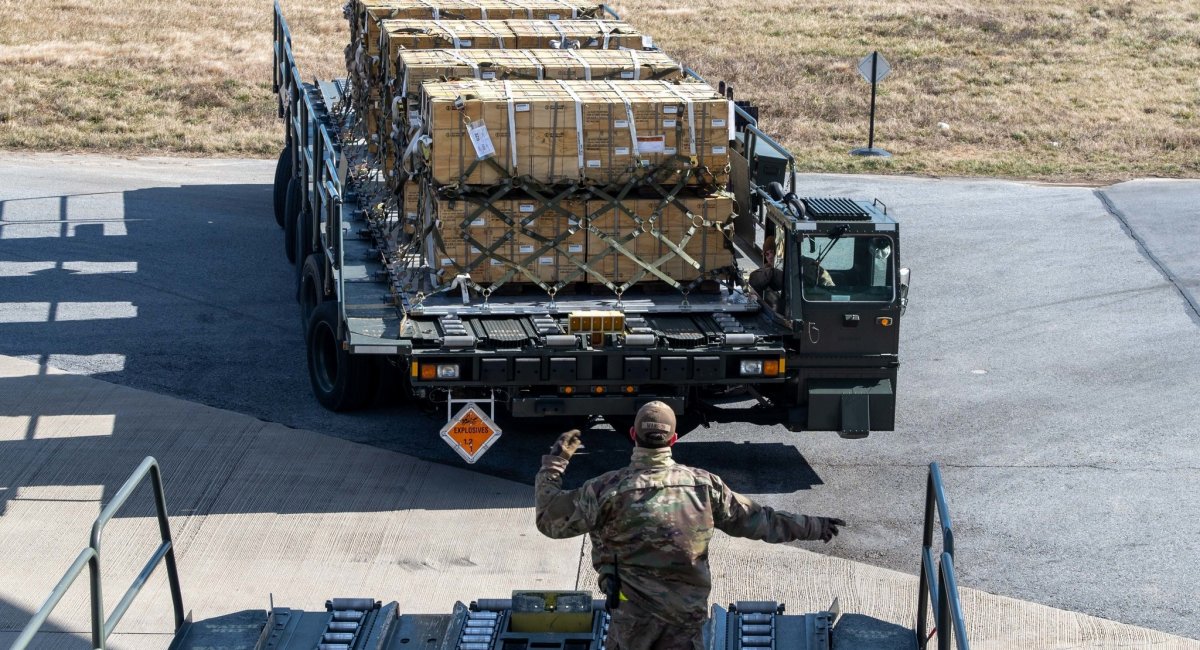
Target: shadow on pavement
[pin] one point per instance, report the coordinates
(864, 632)
(184, 291)
(13, 619)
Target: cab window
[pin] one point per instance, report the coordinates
(850, 268)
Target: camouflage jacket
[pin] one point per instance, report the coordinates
(651, 523)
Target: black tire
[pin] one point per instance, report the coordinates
(291, 213)
(340, 381)
(304, 234)
(311, 291)
(393, 387)
(283, 174)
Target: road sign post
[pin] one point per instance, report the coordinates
(873, 67)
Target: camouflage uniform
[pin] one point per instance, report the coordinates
(650, 523)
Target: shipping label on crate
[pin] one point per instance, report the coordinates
(651, 143)
(481, 140)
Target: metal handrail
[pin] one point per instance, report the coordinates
(90, 557)
(938, 585)
(317, 153)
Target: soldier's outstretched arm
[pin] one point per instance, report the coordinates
(740, 516)
(561, 513)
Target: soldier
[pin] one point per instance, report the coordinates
(767, 281)
(650, 524)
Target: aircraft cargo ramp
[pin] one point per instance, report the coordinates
(262, 511)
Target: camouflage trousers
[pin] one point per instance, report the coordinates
(631, 629)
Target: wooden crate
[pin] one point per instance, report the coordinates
(706, 245)
(404, 71)
(366, 15)
(410, 68)
(572, 131)
(487, 246)
(508, 34)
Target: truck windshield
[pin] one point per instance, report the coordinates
(851, 268)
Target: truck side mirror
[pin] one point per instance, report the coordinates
(905, 275)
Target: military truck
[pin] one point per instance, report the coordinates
(526, 620)
(814, 348)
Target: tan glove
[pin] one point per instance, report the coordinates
(567, 444)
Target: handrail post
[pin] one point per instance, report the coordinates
(100, 627)
(926, 543)
(943, 611)
(97, 599)
(164, 530)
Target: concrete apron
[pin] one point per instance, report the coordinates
(259, 510)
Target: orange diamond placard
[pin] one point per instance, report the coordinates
(470, 432)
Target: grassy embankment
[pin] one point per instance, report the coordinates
(1068, 90)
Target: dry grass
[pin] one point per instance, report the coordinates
(1064, 90)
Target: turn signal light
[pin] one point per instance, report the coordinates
(884, 321)
(771, 368)
(428, 371)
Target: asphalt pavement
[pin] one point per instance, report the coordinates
(1048, 363)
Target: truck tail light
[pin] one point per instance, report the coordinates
(443, 371)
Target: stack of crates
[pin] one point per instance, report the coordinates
(539, 142)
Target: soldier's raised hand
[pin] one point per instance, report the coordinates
(567, 444)
(829, 528)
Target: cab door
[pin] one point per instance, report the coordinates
(848, 293)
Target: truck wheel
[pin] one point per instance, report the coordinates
(311, 292)
(340, 381)
(283, 174)
(304, 233)
(290, 213)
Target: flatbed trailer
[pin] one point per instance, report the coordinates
(799, 353)
(527, 620)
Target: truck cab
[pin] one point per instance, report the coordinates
(826, 270)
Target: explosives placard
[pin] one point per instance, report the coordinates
(598, 132)
(470, 432)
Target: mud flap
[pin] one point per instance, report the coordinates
(852, 407)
